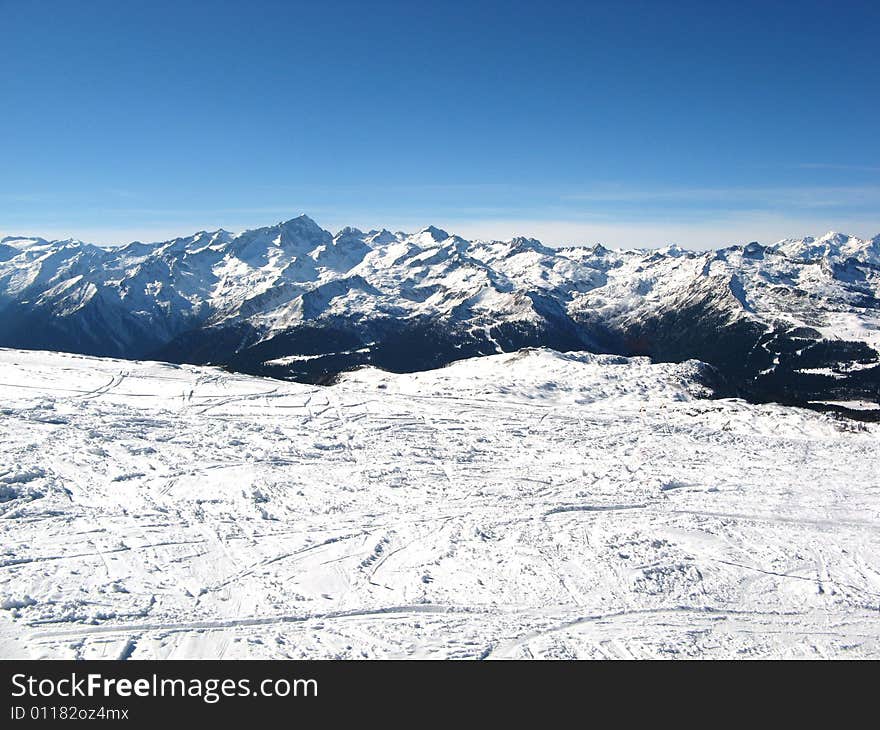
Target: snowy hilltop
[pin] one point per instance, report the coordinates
(794, 322)
(532, 504)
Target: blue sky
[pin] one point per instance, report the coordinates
(702, 123)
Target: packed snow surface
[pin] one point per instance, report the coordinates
(520, 505)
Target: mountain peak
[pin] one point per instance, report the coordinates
(834, 237)
(301, 217)
(831, 245)
(23, 242)
(438, 234)
(302, 223)
(303, 230)
(672, 250)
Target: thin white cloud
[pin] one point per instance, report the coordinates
(832, 166)
(726, 198)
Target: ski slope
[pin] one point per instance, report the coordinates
(526, 505)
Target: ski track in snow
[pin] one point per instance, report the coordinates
(516, 506)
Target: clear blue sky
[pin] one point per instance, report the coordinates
(630, 122)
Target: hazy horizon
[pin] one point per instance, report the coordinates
(551, 233)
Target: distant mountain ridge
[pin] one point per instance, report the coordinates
(797, 321)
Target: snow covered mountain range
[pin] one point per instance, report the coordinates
(795, 322)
